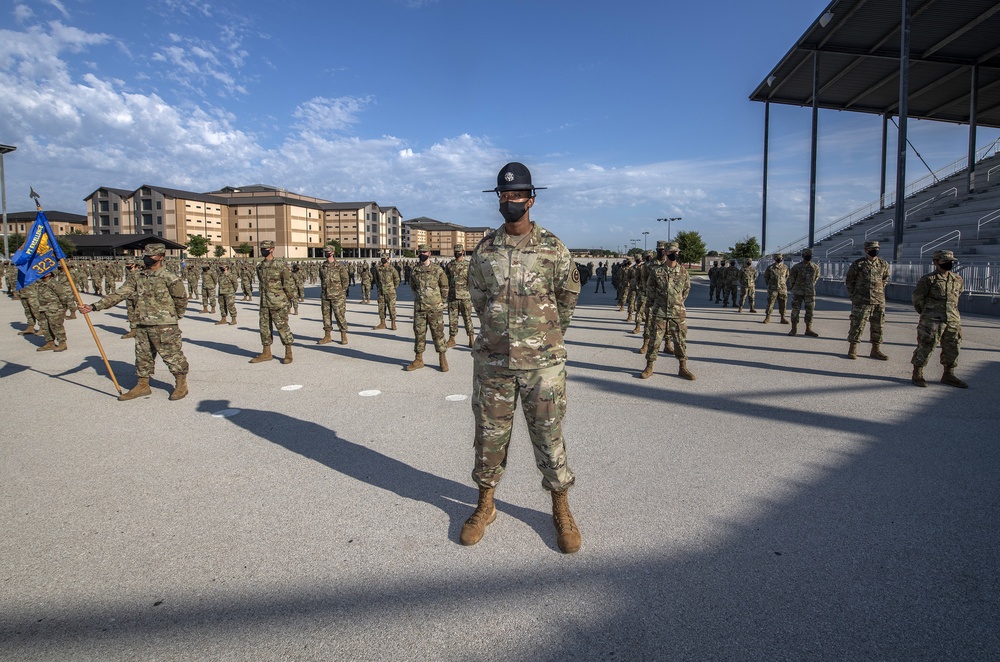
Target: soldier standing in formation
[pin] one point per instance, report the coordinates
(209, 283)
(28, 296)
(776, 279)
(713, 280)
(246, 281)
(459, 300)
(131, 270)
(334, 280)
(602, 276)
(730, 279)
(228, 283)
(277, 292)
(866, 281)
(53, 298)
(366, 283)
(430, 291)
(669, 284)
(935, 298)
(802, 282)
(524, 287)
(386, 282)
(192, 280)
(299, 283)
(748, 275)
(160, 302)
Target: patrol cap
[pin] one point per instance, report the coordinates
(205, 268)
(871, 244)
(777, 256)
(268, 244)
(459, 248)
(661, 245)
(329, 250)
(673, 246)
(807, 252)
(424, 248)
(154, 249)
(944, 255)
(650, 253)
(514, 177)
(749, 262)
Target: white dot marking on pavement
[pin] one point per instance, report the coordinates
(225, 413)
(455, 398)
(369, 394)
(291, 387)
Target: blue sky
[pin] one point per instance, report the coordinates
(627, 111)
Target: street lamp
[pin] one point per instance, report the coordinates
(669, 221)
(4, 149)
(634, 242)
(646, 232)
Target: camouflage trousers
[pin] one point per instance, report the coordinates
(193, 289)
(164, 340)
(630, 298)
(461, 307)
(780, 297)
(300, 291)
(30, 316)
(712, 287)
(227, 305)
(207, 297)
(52, 323)
(677, 328)
(873, 313)
(746, 296)
(929, 333)
(648, 321)
(130, 312)
(278, 317)
(729, 293)
(428, 318)
(387, 304)
(495, 392)
(247, 286)
(334, 308)
(366, 292)
(810, 303)
(110, 286)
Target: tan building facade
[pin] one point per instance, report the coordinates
(441, 236)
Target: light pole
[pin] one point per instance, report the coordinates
(669, 221)
(634, 242)
(4, 149)
(646, 232)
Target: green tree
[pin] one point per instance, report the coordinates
(219, 251)
(635, 250)
(244, 249)
(338, 250)
(67, 245)
(197, 245)
(692, 246)
(408, 253)
(748, 248)
(15, 241)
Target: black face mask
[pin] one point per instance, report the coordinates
(778, 261)
(148, 260)
(873, 252)
(672, 257)
(384, 261)
(513, 211)
(947, 266)
(424, 258)
(264, 252)
(660, 253)
(806, 258)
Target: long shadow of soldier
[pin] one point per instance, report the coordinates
(363, 464)
(120, 368)
(225, 348)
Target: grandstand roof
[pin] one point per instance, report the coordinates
(859, 53)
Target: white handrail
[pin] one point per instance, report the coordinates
(989, 173)
(940, 241)
(878, 227)
(843, 244)
(952, 191)
(982, 221)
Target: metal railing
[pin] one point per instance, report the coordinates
(941, 241)
(878, 227)
(930, 201)
(843, 244)
(980, 277)
(989, 218)
(989, 173)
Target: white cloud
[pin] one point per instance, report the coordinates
(60, 8)
(22, 13)
(321, 115)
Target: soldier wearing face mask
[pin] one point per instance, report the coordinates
(459, 301)
(277, 293)
(866, 281)
(935, 298)
(386, 282)
(669, 284)
(430, 292)
(802, 282)
(776, 279)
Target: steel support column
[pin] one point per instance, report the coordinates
(885, 154)
(812, 154)
(763, 209)
(973, 102)
(904, 110)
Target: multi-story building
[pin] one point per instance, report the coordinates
(61, 222)
(441, 236)
(232, 216)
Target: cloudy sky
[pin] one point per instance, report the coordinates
(628, 111)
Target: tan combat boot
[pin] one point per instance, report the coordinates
(27, 332)
(475, 527)
(141, 388)
(381, 325)
(213, 309)
(72, 314)
(418, 362)
(204, 308)
(918, 377)
(325, 339)
(810, 332)
(288, 355)
(567, 534)
(61, 347)
(852, 351)
(795, 329)
(443, 360)
(48, 346)
(752, 309)
(645, 347)
(767, 319)
(740, 309)
(393, 327)
(472, 340)
(180, 389)
(343, 337)
(629, 318)
(648, 372)
(130, 334)
(265, 355)
(635, 329)
(950, 379)
(684, 372)
(222, 321)
(451, 341)
(232, 322)
(876, 353)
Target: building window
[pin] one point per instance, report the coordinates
(159, 234)
(159, 205)
(159, 220)
(115, 219)
(147, 219)
(104, 221)
(114, 206)
(104, 205)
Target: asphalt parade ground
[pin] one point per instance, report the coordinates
(790, 504)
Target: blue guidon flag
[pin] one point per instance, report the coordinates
(40, 253)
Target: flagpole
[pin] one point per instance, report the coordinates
(79, 302)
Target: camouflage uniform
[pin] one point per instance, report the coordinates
(748, 276)
(366, 283)
(160, 301)
(130, 303)
(459, 299)
(386, 282)
(334, 279)
(713, 282)
(209, 283)
(730, 279)
(228, 283)
(669, 287)
(776, 279)
(54, 296)
(192, 279)
(430, 290)
(299, 278)
(802, 282)
(32, 308)
(276, 295)
(246, 281)
(866, 281)
(524, 290)
(935, 298)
